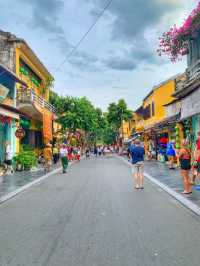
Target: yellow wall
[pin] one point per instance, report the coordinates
(24, 52)
(28, 59)
(139, 123)
(160, 96)
(128, 127)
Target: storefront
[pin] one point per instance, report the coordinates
(33, 133)
(157, 137)
(9, 118)
(9, 114)
(190, 116)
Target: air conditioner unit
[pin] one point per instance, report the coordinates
(3, 92)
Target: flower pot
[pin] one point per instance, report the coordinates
(19, 167)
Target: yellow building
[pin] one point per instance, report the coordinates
(33, 98)
(154, 103)
(151, 117)
(128, 128)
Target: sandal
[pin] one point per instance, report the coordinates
(186, 193)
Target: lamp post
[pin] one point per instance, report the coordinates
(122, 127)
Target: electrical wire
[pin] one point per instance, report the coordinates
(85, 35)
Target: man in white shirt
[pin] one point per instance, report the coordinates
(8, 158)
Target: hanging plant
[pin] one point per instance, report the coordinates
(175, 42)
(46, 85)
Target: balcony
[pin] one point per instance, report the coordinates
(186, 84)
(32, 104)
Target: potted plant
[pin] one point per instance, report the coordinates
(25, 159)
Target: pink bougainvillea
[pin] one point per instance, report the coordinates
(175, 42)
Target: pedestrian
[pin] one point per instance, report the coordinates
(197, 154)
(78, 155)
(171, 154)
(87, 152)
(137, 155)
(185, 164)
(99, 151)
(8, 158)
(150, 148)
(55, 154)
(47, 153)
(70, 154)
(95, 151)
(64, 157)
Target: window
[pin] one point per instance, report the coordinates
(29, 72)
(147, 112)
(152, 109)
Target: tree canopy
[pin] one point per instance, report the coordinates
(80, 114)
(117, 113)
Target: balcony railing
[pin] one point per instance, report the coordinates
(182, 81)
(25, 95)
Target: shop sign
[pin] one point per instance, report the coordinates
(3, 92)
(20, 133)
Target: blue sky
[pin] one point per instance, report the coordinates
(118, 58)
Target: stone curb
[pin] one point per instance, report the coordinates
(181, 199)
(25, 187)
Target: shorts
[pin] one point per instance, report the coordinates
(185, 164)
(170, 157)
(8, 162)
(138, 168)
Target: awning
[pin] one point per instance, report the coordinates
(166, 122)
(8, 113)
(11, 111)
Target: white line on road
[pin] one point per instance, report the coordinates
(185, 202)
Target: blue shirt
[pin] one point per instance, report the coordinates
(137, 154)
(170, 150)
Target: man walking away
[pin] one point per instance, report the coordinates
(137, 155)
(64, 157)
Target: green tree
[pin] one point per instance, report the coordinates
(117, 113)
(79, 113)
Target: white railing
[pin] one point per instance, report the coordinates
(25, 95)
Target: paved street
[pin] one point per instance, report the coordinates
(9, 183)
(92, 216)
(172, 178)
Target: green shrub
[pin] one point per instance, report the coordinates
(26, 158)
